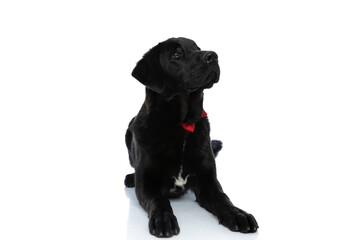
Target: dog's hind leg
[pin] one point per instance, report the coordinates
(129, 143)
(130, 178)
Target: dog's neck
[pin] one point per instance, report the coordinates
(185, 107)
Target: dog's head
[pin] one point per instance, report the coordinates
(176, 66)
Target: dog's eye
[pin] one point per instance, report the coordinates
(176, 55)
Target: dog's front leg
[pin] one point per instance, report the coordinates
(162, 222)
(210, 195)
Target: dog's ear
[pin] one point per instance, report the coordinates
(149, 72)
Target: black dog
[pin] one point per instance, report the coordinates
(169, 143)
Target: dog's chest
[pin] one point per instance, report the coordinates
(180, 180)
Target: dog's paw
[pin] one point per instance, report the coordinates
(130, 180)
(163, 225)
(216, 146)
(238, 220)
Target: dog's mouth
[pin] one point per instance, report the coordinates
(209, 81)
(212, 77)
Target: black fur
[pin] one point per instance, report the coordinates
(175, 73)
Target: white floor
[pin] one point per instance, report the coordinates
(84, 198)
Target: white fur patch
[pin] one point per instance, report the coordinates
(179, 180)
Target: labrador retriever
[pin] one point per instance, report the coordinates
(168, 141)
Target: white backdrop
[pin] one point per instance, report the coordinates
(287, 109)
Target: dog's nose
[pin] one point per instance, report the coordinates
(210, 56)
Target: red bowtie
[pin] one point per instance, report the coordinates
(190, 127)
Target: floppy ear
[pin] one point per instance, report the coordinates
(149, 72)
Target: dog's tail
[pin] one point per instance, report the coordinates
(216, 146)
